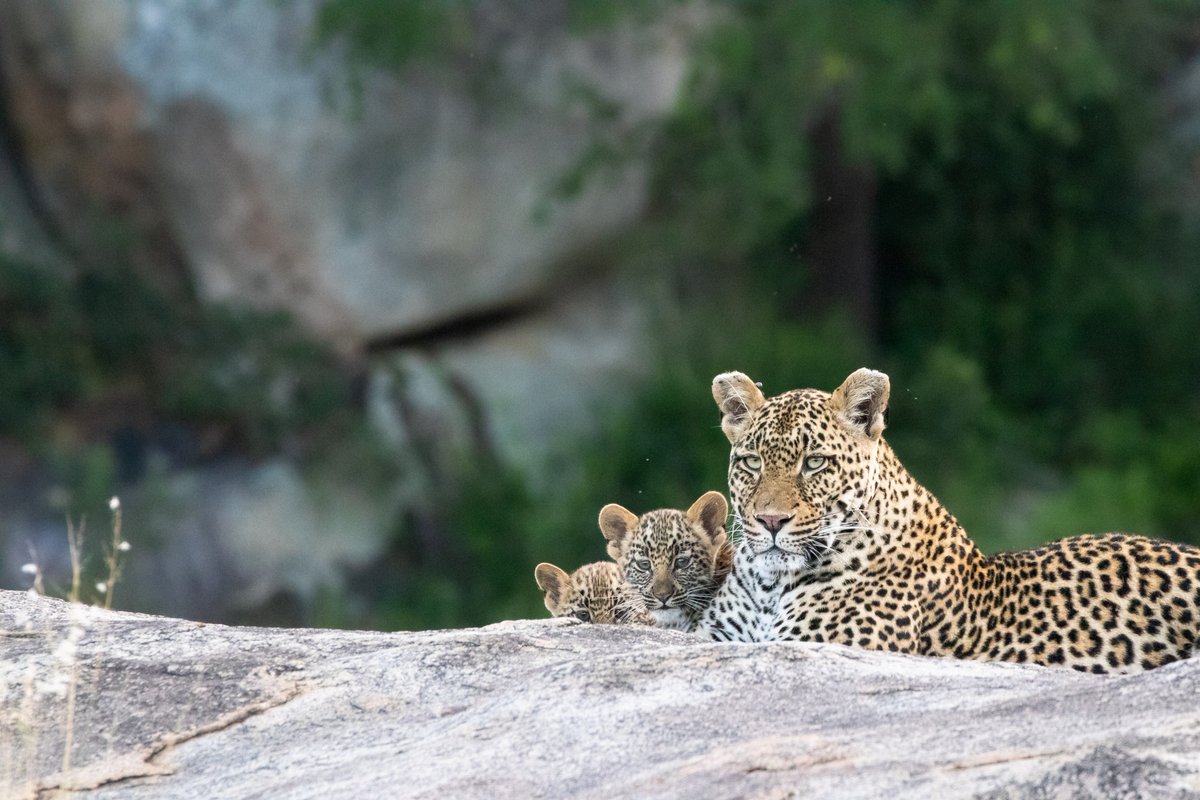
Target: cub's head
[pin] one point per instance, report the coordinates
(593, 593)
(674, 559)
(802, 463)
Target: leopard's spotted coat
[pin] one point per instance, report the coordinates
(593, 593)
(675, 560)
(842, 544)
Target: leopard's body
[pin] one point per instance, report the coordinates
(675, 560)
(593, 593)
(841, 544)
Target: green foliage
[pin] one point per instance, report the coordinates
(69, 342)
(461, 560)
(258, 371)
(911, 81)
(1037, 295)
(1047, 263)
(585, 16)
(1034, 283)
(41, 366)
(391, 33)
(1012, 214)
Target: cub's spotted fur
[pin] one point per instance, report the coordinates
(675, 560)
(842, 545)
(593, 593)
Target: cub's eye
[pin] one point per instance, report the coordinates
(683, 562)
(643, 564)
(814, 463)
(583, 615)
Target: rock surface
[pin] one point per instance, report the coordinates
(522, 390)
(168, 708)
(218, 125)
(409, 222)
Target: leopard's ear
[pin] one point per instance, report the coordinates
(617, 524)
(860, 403)
(723, 561)
(738, 397)
(710, 512)
(553, 581)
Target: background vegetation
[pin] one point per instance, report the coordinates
(980, 197)
(1032, 289)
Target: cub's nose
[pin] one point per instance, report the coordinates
(773, 522)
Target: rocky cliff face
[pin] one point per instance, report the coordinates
(372, 216)
(412, 216)
(154, 707)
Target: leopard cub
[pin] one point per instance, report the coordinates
(593, 593)
(676, 560)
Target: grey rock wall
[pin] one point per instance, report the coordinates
(217, 124)
(410, 217)
(165, 708)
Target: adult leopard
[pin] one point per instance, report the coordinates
(841, 544)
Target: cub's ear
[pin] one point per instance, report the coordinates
(710, 511)
(553, 581)
(723, 561)
(617, 524)
(738, 398)
(861, 402)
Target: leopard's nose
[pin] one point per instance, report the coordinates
(773, 522)
(662, 588)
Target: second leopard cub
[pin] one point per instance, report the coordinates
(593, 593)
(675, 560)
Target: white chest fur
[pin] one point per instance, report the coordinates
(676, 619)
(747, 607)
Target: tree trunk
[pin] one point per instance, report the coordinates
(841, 246)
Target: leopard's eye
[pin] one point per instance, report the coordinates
(750, 461)
(583, 615)
(683, 562)
(814, 463)
(643, 564)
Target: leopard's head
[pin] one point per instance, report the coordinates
(593, 593)
(801, 464)
(674, 559)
